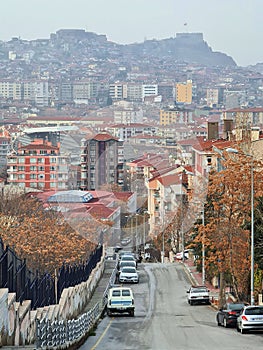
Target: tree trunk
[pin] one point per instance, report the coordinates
(222, 295)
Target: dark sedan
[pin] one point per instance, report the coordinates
(227, 315)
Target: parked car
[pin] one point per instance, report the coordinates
(227, 315)
(128, 258)
(128, 263)
(250, 318)
(125, 241)
(198, 295)
(179, 256)
(120, 300)
(128, 274)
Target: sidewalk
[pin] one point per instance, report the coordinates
(98, 294)
(196, 279)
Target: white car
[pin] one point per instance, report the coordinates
(198, 295)
(250, 318)
(128, 274)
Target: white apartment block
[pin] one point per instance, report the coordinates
(149, 90)
(212, 97)
(37, 92)
(11, 89)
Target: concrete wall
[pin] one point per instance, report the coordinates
(18, 322)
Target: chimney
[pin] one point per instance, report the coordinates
(213, 131)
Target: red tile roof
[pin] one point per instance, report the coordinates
(104, 137)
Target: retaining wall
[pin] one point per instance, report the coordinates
(18, 321)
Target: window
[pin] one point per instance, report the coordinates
(53, 176)
(33, 160)
(53, 184)
(21, 160)
(21, 176)
(126, 293)
(33, 168)
(41, 168)
(40, 160)
(52, 168)
(116, 293)
(21, 168)
(41, 176)
(33, 176)
(53, 160)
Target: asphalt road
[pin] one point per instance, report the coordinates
(165, 321)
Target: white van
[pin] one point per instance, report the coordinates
(120, 300)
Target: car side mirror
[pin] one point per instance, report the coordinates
(188, 291)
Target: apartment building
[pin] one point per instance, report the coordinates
(11, 90)
(118, 91)
(173, 115)
(36, 92)
(101, 161)
(5, 147)
(183, 92)
(125, 112)
(149, 90)
(38, 165)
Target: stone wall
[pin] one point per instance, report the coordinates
(18, 321)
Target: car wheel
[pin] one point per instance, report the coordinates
(109, 313)
(225, 323)
(243, 331)
(132, 313)
(190, 302)
(238, 329)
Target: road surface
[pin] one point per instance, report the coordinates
(165, 321)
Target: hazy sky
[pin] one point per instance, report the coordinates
(234, 27)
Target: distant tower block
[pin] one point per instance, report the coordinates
(213, 133)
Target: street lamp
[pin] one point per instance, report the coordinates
(233, 150)
(203, 249)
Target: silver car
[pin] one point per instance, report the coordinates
(250, 318)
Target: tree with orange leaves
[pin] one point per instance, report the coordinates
(228, 208)
(39, 237)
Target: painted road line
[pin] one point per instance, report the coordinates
(102, 336)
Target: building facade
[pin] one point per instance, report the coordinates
(101, 161)
(38, 165)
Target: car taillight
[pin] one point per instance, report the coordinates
(232, 312)
(132, 301)
(244, 318)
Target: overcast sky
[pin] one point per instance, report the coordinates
(234, 27)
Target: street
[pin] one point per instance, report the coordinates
(164, 320)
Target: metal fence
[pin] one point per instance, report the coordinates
(62, 333)
(40, 289)
(52, 334)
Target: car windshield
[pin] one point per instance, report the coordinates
(127, 257)
(254, 311)
(199, 290)
(128, 270)
(235, 306)
(127, 263)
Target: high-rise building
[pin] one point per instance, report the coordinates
(183, 92)
(101, 161)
